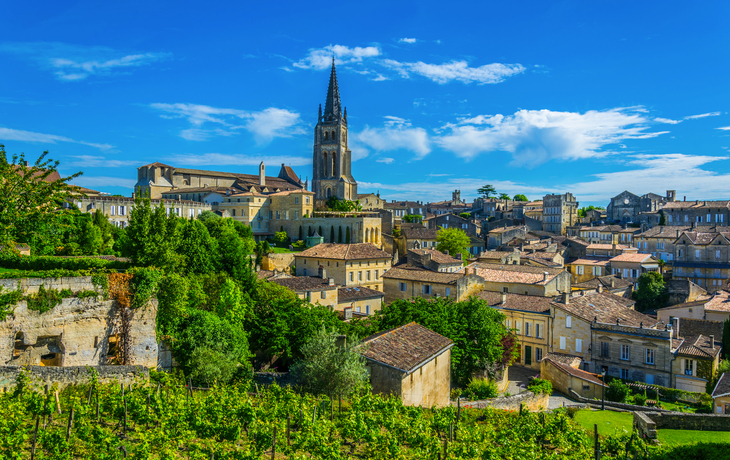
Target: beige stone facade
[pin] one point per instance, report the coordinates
(370, 201)
(521, 279)
(408, 282)
(359, 300)
(118, 209)
(703, 257)
(565, 378)
(350, 265)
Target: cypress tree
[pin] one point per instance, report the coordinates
(301, 233)
(347, 236)
(339, 235)
(726, 339)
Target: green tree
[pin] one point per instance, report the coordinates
(235, 253)
(520, 197)
(486, 191)
(454, 240)
(335, 204)
(412, 218)
(153, 236)
(465, 215)
(208, 215)
(281, 238)
(582, 211)
(652, 292)
(31, 203)
(347, 235)
(331, 368)
(198, 248)
(91, 240)
(662, 218)
(726, 339)
(231, 304)
(107, 231)
(504, 196)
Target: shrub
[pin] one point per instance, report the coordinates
(617, 391)
(210, 366)
(44, 299)
(704, 409)
(481, 389)
(571, 411)
(640, 399)
(37, 263)
(86, 294)
(540, 386)
(455, 393)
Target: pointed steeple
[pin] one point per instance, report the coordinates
(332, 106)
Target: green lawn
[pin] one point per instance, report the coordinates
(609, 422)
(674, 437)
(283, 250)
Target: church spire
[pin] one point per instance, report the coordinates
(332, 106)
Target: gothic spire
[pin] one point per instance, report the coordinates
(332, 106)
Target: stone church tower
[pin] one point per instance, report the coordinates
(332, 158)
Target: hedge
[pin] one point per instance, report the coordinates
(39, 263)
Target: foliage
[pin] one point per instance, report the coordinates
(91, 241)
(31, 202)
(145, 284)
(335, 204)
(662, 218)
(454, 240)
(476, 330)
(640, 399)
(455, 394)
(8, 301)
(481, 389)
(465, 215)
(206, 216)
(520, 197)
(582, 211)
(540, 386)
(44, 299)
(486, 191)
(153, 236)
(209, 366)
(10, 259)
(617, 391)
(504, 196)
(281, 238)
(198, 248)
(327, 367)
(396, 233)
(652, 293)
(412, 218)
(726, 339)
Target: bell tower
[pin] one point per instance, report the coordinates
(332, 159)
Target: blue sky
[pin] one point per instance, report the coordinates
(532, 97)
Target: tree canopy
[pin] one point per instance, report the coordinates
(504, 196)
(520, 197)
(335, 204)
(486, 191)
(454, 240)
(412, 218)
(652, 292)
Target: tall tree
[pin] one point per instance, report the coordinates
(504, 196)
(726, 338)
(520, 197)
(198, 248)
(454, 240)
(652, 292)
(31, 202)
(486, 191)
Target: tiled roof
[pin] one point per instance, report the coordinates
(689, 327)
(696, 204)
(158, 164)
(632, 258)
(405, 272)
(605, 281)
(699, 346)
(403, 204)
(719, 302)
(537, 304)
(437, 256)
(344, 251)
(723, 386)
(564, 358)
(419, 233)
(181, 191)
(264, 274)
(606, 308)
(601, 262)
(705, 237)
(495, 254)
(287, 173)
(577, 241)
(523, 274)
(305, 283)
(506, 229)
(664, 231)
(405, 348)
(52, 177)
(583, 375)
(345, 294)
(608, 246)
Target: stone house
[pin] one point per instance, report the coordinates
(405, 282)
(359, 301)
(500, 257)
(521, 279)
(632, 266)
(529, 318)
(500, 236)
(711, 213)
(703, 258)
(404, 208)
(453, 221)
(118, 209)
(659, 241)
(609, 283)
(360, 264)
(626, 207)
(609, 234)
(434, 260)
(416, 238)
(319, 289)
(587, 268)
(608, 334)
(566, 377)
(713, 307)
(412, 363)
(721, 395)
(698, 359)
(476, 246)
(370, 201)
(209, 195)
(559, 212)
(542, 259)
(608, 250)
(594, 216)
(494, 207)
(682, 291)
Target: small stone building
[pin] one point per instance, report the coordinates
(721, 395)
(411, 362)
(565, 377)
(359, 301)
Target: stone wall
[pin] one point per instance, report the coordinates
(627, 407)
(649, 422)
(278, 261)
(65, 376)
(526, 399)
(31, 285)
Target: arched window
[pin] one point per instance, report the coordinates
(329, 192)
(326, 135)
(333, 135)
(367, 235)
(233, 213)
(325, 164)
(333, 164)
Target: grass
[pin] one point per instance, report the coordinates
(609, 422)
(677, 437)
(284, 250)
(677, 407)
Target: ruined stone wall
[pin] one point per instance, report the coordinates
(31, 285)
(65, 376)
(282, 262)
(649, 422)
(526, 400)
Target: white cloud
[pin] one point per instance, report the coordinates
(265, 125)
(396, 134)
(667, 121)
(74, 62)
(91, 161)
(433, 191)
(407, 40)
(8, 134)
(104, 181)
(236, 160)
(321, 58)
(702, 115)
(385, 160)
(724, 128)
(536, 136)
(456, 71)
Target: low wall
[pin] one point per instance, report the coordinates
(31, 285)
(649, 422)
(526, 399)
(65, 376)
(278, 261)
(627, 407)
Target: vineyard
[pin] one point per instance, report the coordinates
(170, 420)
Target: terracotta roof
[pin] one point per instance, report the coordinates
(264, 274)
(699, 346)
(522, 274)
(564, 358)
(720, 301)
(405, 348)
(345, 294)
(507, 229)
(689, 327)
(583, 375)
(420, 233)
(404, 204)
(405, 272)
(705, 237)
(305, 283)
(696, 204)
(664, 231)
(632, 258)
(608, 246)
(437, 256)
(287, 173)
(607, 308)
(495, 254)
(537, 304)
(602, 262)
(605, 281)
(344, 251)
(52, 177)
(180, 191)
(156, 163)
(723, 386)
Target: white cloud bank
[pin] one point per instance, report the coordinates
(237, 160)
(407, 40)
(688, 117)
(396, 134)
(7, 134)
(265, 125)
(321, 58)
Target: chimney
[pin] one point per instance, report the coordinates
(446, 252)
(458, 256)
(331, 281)
(712, 341)
(676, 327)
(685, 198)
(613, 283)
(545, 276)
(600, 288)
(566, 298)
(262, 174)
(504, 298)
(322, 272)
(25, 163)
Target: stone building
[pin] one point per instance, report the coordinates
(625, 207)
(713, 307)
(434, 260)
(405, 208)
(703, 257)
(412, 363)
(608, 283)
(721, 395)
(332, 159)
(566, 377)
(118, 209)
(659, 241)
(698, 359)
(500, 257)
(319, 289)
(586, 268)
(632, 266)
(559, 213)
(453, 221)
(359, 301)
(713, 213)
(404, 282)
(416, 238)
(608, 234)
(498, 237)
(453, 206)
(370, 201)
(360, 264)
(529, 318)
(521, 279)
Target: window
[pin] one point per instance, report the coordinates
(709, 218)
(505, 289)
(527, 329)
(296, 200)
(697, 253)
(688, 366)
(306, 200)
(624, 374)
(296, 215)
(402, 287)
(578, 346)
(352, 276)
(538, 332)
(368, 275)
(518, 327)
(717, 254)
(562, 343)
(625, 352)
(357, 309)
(579, 269)
(649, 356)
(538, 354)
(605, 350)
(367, 309)
(112, 210)
(323, 294)
(427, 289)
(277, 215)
(305, 272)
(359, 276)
(568, 321)
(122, 210)
(509, 324)
(448, 292)
(376, 274)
